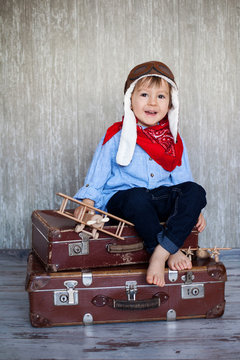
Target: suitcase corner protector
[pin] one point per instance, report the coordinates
(217, 311)
(39, 321)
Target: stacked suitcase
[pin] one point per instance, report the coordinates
(73, 278)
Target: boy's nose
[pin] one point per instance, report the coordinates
(152, 100)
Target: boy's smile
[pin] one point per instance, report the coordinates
(150, 104)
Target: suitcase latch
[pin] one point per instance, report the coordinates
(81, 247)
(188, 278)
(192, 291)
(67, 297)
(131, 290)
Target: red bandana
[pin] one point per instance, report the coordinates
(157, 141)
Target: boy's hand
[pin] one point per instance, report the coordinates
(201, 223)
(79, 208)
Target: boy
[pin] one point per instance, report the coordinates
(140, 171)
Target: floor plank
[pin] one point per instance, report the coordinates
(185, 339)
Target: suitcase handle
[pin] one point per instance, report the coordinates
(146, 304)
(136, 304)
(118, 249)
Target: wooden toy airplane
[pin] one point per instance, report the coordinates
(88, 217)
(205, 252)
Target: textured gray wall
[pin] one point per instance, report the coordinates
(63, 67)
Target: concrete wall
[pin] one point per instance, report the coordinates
(63, 67)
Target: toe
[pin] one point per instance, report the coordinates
(149, 279)
(184, 265)
(159, 282)
(155, 280)
(178, 266)
(171, 265)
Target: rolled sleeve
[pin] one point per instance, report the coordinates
(88, 192)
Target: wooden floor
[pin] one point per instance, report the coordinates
(182, 339)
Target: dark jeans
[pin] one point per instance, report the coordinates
(179, 206)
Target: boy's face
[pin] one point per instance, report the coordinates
(150, 104)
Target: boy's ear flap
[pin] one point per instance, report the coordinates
(173, 114)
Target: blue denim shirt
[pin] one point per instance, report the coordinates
(105, 177)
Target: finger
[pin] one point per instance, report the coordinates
(199, 221)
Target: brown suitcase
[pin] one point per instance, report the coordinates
(121, 294)
(59, 247)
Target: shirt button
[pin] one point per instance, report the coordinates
(150, 158)
(152, 175)
(87, 185)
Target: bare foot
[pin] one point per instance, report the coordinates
(155, 272)
(179, 261)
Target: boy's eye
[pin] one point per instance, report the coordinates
(161, 96)
(143, 94)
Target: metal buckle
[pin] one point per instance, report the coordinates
(87, 319)
(79, 248)
(171, 315)
(87, 278)
(172, 275)
(188, 278)
(67, 297)
(192, 291)
(131, 290)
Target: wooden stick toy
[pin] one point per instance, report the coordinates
(88, 217)
(205, 252)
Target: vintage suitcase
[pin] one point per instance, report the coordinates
(59, 247)
(121, 294)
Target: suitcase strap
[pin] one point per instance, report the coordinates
(146, 304)
(117, 249)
